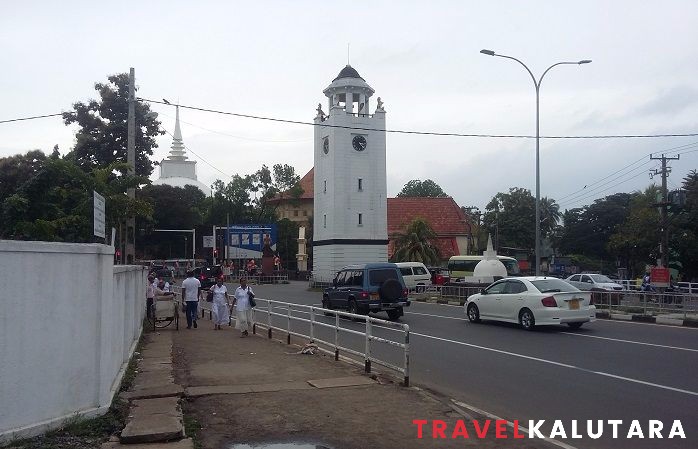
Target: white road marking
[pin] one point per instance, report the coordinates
(551, 362)
(575, 334)
(437, 316)
(631, 341)
(509, 423)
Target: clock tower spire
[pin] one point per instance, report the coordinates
(350, 198)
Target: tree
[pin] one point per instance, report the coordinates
(587, 230)
(636, 241)
(426, 188)
(15, 170)
(282, 183)
(416, 244)
(512, 216)
(683, 229)
(102, 137)
(55, 202)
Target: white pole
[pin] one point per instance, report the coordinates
(193, 248)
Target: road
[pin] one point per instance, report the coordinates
(606, 370)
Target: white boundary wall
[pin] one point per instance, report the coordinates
(69, 322)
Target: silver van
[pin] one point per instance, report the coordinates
(416, 276)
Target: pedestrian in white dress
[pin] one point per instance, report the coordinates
(241, 302)
(219, 307)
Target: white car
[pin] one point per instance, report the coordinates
(532, 301)
(593, 282)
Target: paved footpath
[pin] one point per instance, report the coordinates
(257, 391)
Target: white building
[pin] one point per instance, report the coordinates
(177, 170)
(350, 188)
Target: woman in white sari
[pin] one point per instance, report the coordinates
(241, 302)
(219, 307)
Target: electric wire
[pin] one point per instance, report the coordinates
(424, 133)
(30, 118)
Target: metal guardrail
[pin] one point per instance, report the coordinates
(647, 303)
(314, 313)
(690, 288)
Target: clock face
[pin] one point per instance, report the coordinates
(326, 145)
(359, 143)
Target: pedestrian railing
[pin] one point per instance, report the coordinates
(690, 288)
(647, 303)
(269, 313)
(447, 292)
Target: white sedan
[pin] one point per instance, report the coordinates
(532, 301)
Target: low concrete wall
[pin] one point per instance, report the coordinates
(69, 322)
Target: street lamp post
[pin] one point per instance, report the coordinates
(536, 84)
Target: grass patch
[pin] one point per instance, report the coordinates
(79, 433)
(192, 426)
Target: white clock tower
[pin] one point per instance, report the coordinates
(350, 205)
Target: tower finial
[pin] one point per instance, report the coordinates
(348, 44)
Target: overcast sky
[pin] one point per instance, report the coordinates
(274, 58)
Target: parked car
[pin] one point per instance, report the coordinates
(371, 287)
(593, 282)
(532, 301)
(208, 275)
(439, 275)
(415, 275)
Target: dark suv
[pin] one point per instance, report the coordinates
(207, 276)
(371, 287)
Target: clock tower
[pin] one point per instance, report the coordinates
(350, 199)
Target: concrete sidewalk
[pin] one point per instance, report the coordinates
(257, 391)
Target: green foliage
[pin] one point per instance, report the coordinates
(102, 137)
(416, 244)
(287, 244)
(418, 188)
(636, 241)
(514, 215)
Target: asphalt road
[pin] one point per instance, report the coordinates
(607, 370)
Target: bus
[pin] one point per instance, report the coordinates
(462, 266)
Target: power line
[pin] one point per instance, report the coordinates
(423, 133)
(30, 118)
(199, 157)
(596, 191)
(667, 151)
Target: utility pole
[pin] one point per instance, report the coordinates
(130, 250)
(663, 221)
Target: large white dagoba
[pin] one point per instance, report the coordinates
(489, 268)
(177, 170)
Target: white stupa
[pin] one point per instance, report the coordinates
(177, 170)
(489, 268)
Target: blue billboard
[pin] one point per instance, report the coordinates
(246, 241)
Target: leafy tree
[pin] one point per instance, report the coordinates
(230, 201)
(683, 229)
(15, 170)
(514, 214)
(416, 244)
(102, 137)
(426, 188)
(636, 241)
(282, 182)
(287, 244)
(587, 230)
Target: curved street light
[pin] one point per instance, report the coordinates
(536, 83)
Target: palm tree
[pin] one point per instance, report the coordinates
(416, 244)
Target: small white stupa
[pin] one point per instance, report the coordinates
(176, 170)
(489, 268)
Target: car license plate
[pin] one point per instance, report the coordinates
(574, 304)
(374, 295)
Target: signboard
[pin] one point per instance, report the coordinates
(660, 277)
(100, 218)
(247, 241)
(208, 241)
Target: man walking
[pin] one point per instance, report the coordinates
(190, 295)
(149, 295)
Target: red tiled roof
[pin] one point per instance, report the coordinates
(443, 215)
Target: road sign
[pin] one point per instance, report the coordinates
(660, 277)
(99, 215)
(208, 241)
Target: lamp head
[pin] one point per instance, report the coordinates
(584, 61)
(487, 52)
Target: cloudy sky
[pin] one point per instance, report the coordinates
(274, 58)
